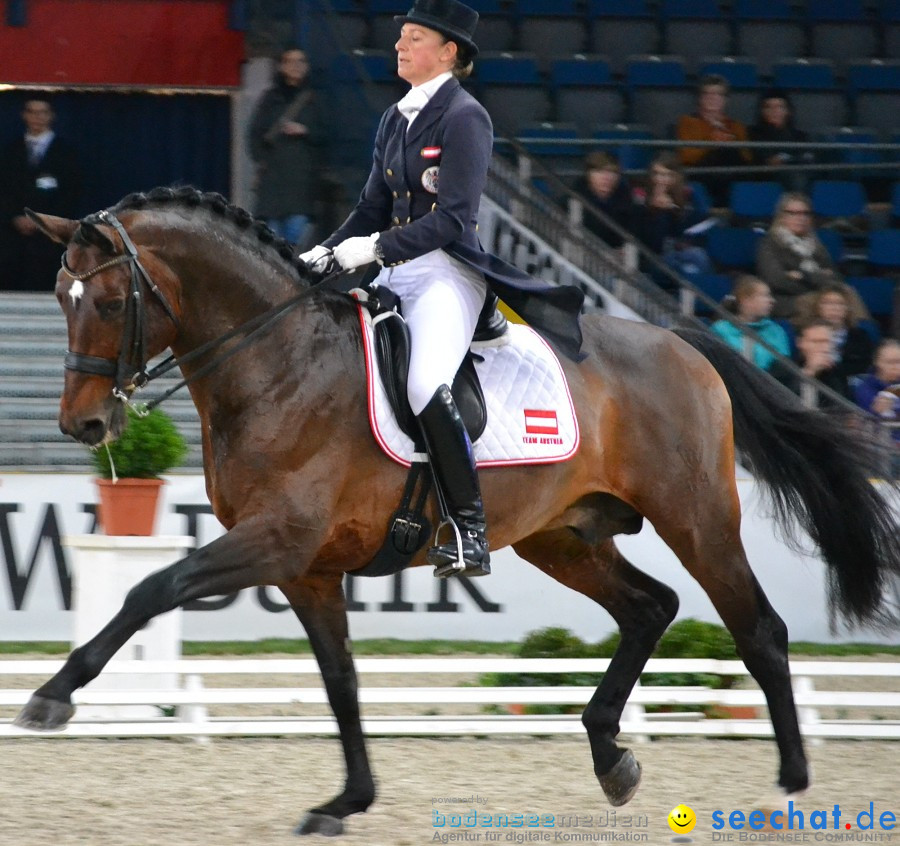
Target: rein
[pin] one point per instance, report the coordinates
(130, 377)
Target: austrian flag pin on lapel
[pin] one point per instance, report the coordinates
(430, 152)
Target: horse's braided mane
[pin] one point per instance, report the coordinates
(217, 204)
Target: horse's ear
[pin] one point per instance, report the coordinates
(59, 229)
(93, 234)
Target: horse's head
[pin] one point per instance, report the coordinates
(120, 306)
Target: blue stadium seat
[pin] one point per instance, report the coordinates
(716, 286)
(817, 101)
(511, 89)
(859, 136)
(655, 71)
(835, 10)
(895, 202)
(768, 30)
(878, 75)
(877, 109)
(622, 28)
(548, 8)
(740, 72)
(538, 139)
(700, 196)
(839, 30)
(698, 9)
(581, 71)
(754, 200)
(378, 65)
(508, 69)
(496, 30)
(884, 249)
(660, 108)
(833, 242)
(619, 9)
(763, 10)
(876, 292)
(585, 92)
(804, 73)
(695, 28)
(890, 26)
(548, 27)
(838, 198)
(733, 247)
(629, 156)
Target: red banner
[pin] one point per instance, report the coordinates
(122, 42)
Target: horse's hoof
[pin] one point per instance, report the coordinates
(43, 714)
(316, 823)
(621, 782)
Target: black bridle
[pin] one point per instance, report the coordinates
(129, 369)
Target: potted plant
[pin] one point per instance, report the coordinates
(129, 471)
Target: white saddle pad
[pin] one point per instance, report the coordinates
(530, 416)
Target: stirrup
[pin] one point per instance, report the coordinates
(449, 559)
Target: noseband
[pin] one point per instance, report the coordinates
(129, 369)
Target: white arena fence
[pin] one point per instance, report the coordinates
(183, 707)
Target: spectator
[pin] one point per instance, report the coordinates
(285, 138)
(605, 190)
(39, 171)
(751, 301)
(840, 306)
(663, 209)
(879, 391)
(817, 358)
(775, 124)
(710, 123)
(790, 258)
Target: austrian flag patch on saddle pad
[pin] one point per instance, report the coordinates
(530, 416)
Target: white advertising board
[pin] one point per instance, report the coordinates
(37, 510)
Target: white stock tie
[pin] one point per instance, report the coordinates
(413, 103)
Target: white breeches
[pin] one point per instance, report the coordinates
(441, 300)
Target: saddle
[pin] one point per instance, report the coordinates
(409, 528)
(392, 350)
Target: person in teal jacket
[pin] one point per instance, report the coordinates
(752, 301)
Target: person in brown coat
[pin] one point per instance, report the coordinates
(711, 123)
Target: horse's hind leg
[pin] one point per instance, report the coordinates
(228, 564)
(641, 606)
(760, 635)
(322, 609)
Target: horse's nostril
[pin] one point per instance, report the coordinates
(92, 432)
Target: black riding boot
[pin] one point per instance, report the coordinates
(451, 456)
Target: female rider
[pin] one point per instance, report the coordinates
(417, 217)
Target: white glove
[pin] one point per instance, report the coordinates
(316, 259)
(355, 252)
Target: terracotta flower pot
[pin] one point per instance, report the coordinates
(128, 506)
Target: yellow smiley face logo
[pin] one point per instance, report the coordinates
(682, 819)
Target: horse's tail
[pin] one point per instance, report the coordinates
(817, 470)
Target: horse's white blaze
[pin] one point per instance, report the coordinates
(76, 292)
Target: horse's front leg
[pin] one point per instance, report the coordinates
(237, 560)
(320, 605)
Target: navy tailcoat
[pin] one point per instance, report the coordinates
(423, 194)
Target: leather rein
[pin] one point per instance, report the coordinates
(129, 370)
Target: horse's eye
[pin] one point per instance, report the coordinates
(111, 308)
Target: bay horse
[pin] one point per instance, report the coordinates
(298, 481)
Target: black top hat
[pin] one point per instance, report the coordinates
(450, 18)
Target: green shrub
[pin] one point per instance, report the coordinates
(685, 639)
(148, 447)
